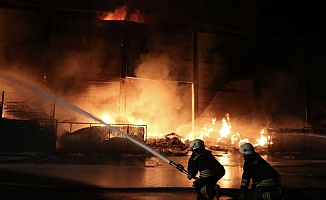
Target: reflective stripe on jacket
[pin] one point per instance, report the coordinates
(270, 182)
(245, 183)
(258, 170)
(204, 162)
(211, 172)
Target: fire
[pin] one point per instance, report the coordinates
(225, 131)
(242, 141)
(226, 126)
(139, 122)
(118, 14)
(234, 138)
(157, 135)
(208, 132)
(106, 118)
(122, 13)
(262, 141)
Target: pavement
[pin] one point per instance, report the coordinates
(24, 157)
(36, 176)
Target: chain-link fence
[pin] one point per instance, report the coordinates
(94, 138)
(25, 106)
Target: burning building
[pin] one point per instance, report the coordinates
(127, 68)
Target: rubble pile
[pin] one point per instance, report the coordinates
(170, 144)
(97, 139)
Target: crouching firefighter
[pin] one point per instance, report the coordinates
(266, 181)
(210, 170)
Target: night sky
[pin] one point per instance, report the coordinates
(277, 18)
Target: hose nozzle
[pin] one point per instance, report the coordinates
(179, 167)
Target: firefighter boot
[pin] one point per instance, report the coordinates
(212, 191)
(218, 191)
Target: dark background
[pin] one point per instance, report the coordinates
(275, 18)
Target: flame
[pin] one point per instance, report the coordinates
(106, 118)
(139, 122)
(226, 126)
(262, 141)
(118, 14)
(235, 138)
(121, 13)
(225, 131)
(157, 135)
(207, 132)
(242, 141)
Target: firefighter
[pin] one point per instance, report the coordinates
(266, 181)
(210, 170)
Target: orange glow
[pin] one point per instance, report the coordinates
(107, 119)
(242, 141)
(156, 135)
(122, 13)
(137, 17)
(225, 131)
(232, 137)
(139, 122)
(226, 126)
(118, 14)
(262, 141)
(208, 132)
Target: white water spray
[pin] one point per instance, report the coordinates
(75, 108)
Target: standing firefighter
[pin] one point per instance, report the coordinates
(204, 162)
(266, 181)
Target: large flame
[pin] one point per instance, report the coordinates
(226, 126)
(209, 132)
(123, 13)
(233, 137)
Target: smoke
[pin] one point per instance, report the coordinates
(158, 66)
(152, 98)
(155, 98)
(20, 103)
(68, 65)
(79, 66)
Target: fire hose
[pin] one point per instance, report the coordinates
(181, 168)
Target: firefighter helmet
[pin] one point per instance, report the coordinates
(197, 143)
(247, 148)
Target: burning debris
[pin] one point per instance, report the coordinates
(101, 139)
(225, 138)
(170, 144)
